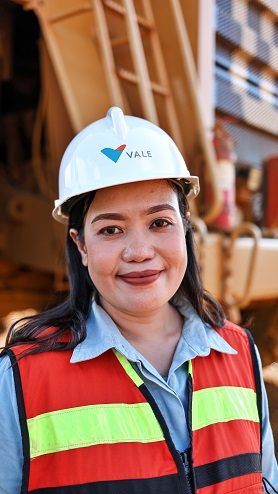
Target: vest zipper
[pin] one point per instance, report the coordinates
(189, 406)
(185, 458)
(189, 428)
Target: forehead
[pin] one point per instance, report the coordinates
(138, 195)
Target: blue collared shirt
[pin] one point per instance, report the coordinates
(169, 392)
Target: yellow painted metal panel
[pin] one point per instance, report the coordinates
(68, 28)
(265, 281)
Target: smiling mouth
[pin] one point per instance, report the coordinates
(140, 278)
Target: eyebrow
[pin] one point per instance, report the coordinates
(120, 217)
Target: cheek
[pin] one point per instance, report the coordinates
(177, 250)
(181, 257)
(180, 260)
(101, 260)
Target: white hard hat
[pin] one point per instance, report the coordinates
(115, 150)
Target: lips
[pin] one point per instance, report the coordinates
(140, 277)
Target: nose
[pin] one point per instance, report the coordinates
(138, 249)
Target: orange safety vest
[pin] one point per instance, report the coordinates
(93, 427)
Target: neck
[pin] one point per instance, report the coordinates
(155, 335)
(157, 325)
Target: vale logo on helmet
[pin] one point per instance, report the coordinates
(115, 154)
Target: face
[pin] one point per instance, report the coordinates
(134, 246)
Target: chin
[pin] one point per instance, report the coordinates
(145, 305)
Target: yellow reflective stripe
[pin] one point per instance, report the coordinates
(222, 404)
(129, 369)
(91, 425)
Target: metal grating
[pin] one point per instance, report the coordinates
(246, 63)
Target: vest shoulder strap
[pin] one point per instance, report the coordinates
(258, 380)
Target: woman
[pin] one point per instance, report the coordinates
(136, 383)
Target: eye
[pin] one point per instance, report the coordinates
(110, 230)
(161, 223)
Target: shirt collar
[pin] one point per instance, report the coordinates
(102, 335)
(197, 339)
(200, 337)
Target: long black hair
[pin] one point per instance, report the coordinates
(66, 322)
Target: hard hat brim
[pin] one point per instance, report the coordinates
(189, 185)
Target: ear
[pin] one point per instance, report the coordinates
(80, 244)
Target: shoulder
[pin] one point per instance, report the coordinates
(232, 330)
(238, 337)
(6, 377)
(40, 341)
(5, 364)
(230, 326)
